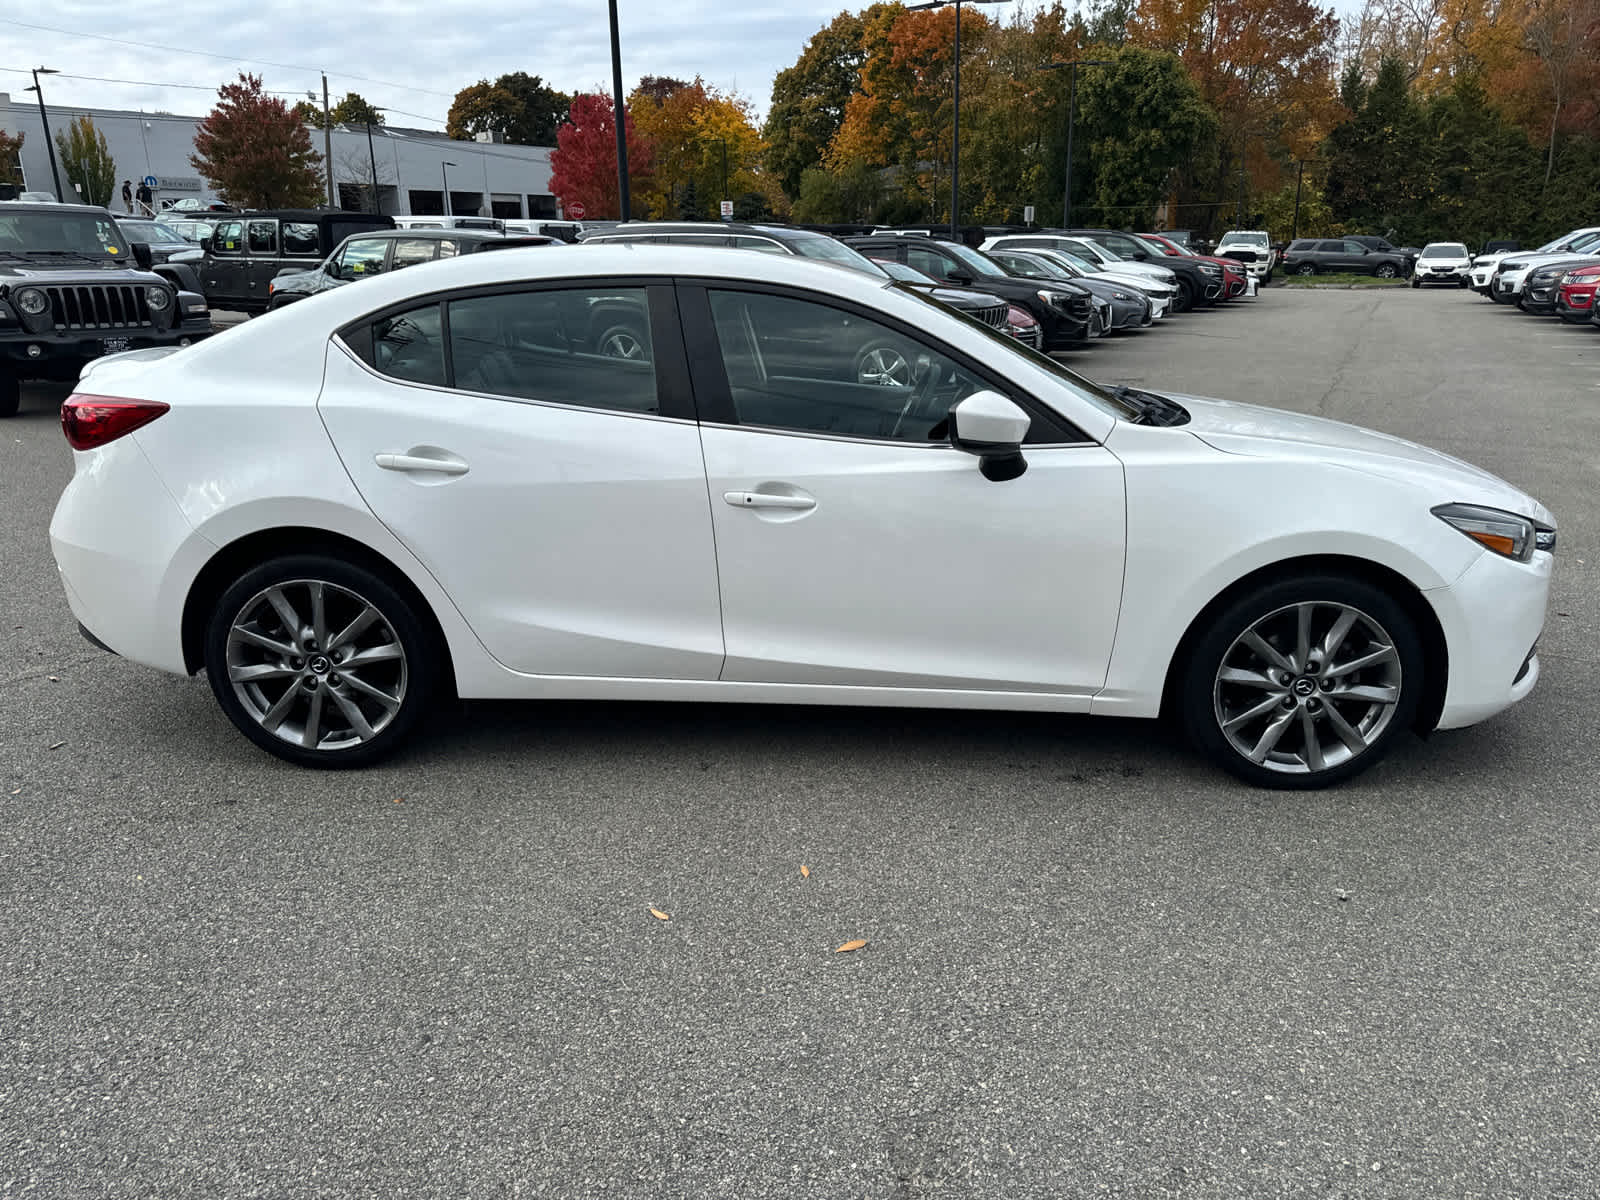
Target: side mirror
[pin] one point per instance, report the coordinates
(1140, 256)
(142, 255)
(992, 427)
(331, 269)
(205, 242)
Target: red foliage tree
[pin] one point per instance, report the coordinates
(583, 166)
(256, 152)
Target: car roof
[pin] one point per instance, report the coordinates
(635, 228)
(46, 206)
(439, 235)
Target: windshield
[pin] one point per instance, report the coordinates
(88, 234)
(980, 264)
(1445, 250)
(1069, 264)
(1243, 239)
(899, 270)
(830, 250)
(1029, 268)
(1101, 397)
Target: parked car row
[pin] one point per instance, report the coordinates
(1551, 279)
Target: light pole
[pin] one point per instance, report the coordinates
(55, 175)
(619, 115)
(1072, 119)
(1299, 175)
(444, 182)
(955, 114)
(372, 157)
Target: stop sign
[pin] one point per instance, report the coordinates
(575, 210)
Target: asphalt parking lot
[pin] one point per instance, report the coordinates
(1095, 966)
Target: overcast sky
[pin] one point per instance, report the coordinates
(421, 53)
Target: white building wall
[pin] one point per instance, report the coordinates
(408, 161)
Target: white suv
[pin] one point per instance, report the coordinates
(1256, 242)
(1442, 262)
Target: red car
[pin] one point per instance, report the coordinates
(1575, 296)
(1233, 271)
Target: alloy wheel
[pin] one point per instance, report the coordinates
(316, 665)
(884, 366)
(1307, 688)
(622, 342)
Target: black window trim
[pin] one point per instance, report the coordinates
(715, 396)
(675, 395)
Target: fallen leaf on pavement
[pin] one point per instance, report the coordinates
(659, 915)
(58, 745)
(848, 946)
(805, 871)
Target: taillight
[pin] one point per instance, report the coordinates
(90, 421)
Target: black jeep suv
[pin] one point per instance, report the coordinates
(73, 288)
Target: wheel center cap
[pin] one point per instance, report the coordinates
(320, 665)
(1305, 687)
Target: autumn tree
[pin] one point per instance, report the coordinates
(256, 152)
(809, 98)
(517, 105)
(353, 110)
(10, 158)
(86, 161)
(698, 135)
(583, 166)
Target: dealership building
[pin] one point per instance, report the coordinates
(412, 167)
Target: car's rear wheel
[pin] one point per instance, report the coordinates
(1185, 298)
(624, 341)
(1386, 271)
(10, 395)
(1303, 682)
(1306, 269)
(319, 661)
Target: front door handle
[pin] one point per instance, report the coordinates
(418, 462)
(768, 500)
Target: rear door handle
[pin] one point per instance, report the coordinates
(768, 500)
(418, 462)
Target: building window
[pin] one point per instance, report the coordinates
(542, 206)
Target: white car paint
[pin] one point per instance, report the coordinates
(1255, 240)
(1442, 262)
(587, 553)
(1085, 248)
(1510, 273)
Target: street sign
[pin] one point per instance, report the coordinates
(1027, 215)
(727, 210)
(575, 210)
(150, 181)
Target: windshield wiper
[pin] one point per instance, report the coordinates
(1150, 408)
(78, 254)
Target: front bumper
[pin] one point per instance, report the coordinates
(1540, 300)
(1575, 306)
(52, 356)
(1452, 275)
(1492, 617)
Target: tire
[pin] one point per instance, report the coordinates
(10, 395)
(1306, 269)
(1266, 279)
(1184, 301)
(884, 363)
(1465, 282)
(1386, 271)
(624, 341)
(1267, 744)
(1415, 282)
(271, 693)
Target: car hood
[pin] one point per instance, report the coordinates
(1252, 430)
(1443, 262)
(1527, 262)
(53, 270)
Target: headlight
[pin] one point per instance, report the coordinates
(1056, 298)
(158, 298)
(1505, 533)
(32, 301)
(1122, 295)
(1211, 268)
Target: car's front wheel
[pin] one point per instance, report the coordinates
(1386, 271)
(320, 661)
(1304, 682)
(10, 395)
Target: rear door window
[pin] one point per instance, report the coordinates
(300, 239)
(408, 252)
(263, 236)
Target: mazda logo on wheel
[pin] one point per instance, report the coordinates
(1304, 687)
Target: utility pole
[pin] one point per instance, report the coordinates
(1300, 174)
(619, 116)
(44, 120)
(955, 138)
(444, 183)
(327, 141)
(372, 157)
(1072, 120)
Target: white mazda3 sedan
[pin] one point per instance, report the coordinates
(652, 472)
